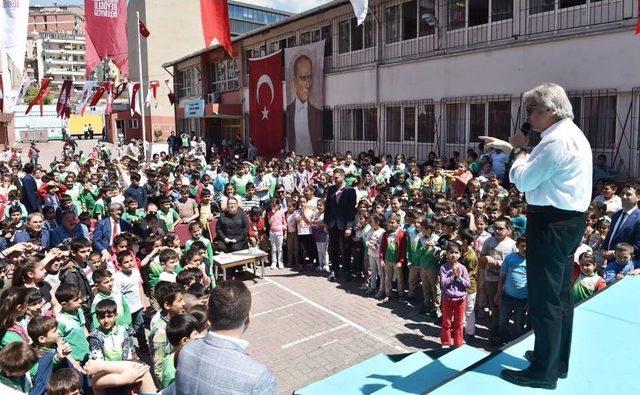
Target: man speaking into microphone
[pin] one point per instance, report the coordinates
(556, 179)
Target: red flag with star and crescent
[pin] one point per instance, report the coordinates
(266, 111)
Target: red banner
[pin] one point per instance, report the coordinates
(265, 104)
(44, 83)
(106, 36)
(144, 32)
(171, 95)
(42, 99)
(98, 95)
(214, 15)
(119, 90)
(2, 94)
(133, 92)
(63, 100)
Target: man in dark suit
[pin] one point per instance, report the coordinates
(340, 212)
(625, 224)
(108, 228)
(304, 121)
(30, 197)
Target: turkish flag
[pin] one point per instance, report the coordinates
(144, 32)
(265, 104)
(44, 84)
(214, 15)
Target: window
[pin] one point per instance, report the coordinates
(409, 124)
(352, 37)
(371, 124)
(501, 10)
(225, 76)
(190, 81)
(455, 113)
(392, 24)
(596, 116)
(570, 3)
(313, 36)
(327, 124)
(393, 123)
(456, 14)
(538, 6)
(325, 34)
(133, 124)
(356, 35)
(478, 12)
(344, 39)
(359, 124)
(427, 17)
(476, 121)
(426, 123)
(409, 20)
(500, 119)
(491, 118)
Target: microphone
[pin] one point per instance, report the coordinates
(525, 128)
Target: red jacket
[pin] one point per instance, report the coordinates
(401, 238)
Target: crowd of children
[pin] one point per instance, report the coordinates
(84, 309)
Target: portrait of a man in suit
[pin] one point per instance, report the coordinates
(304, 120)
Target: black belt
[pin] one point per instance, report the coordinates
(550, 210)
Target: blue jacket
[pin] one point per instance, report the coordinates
(614, 268)
(139, 193)
(30, 197)
(102, 233)
(213, 365)
(629, 232)
(24, 236)
(60, 234)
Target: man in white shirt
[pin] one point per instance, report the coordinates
(556, 179)
(304, 121)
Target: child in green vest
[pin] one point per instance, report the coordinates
(103, 281)
(393, 251)
(71, 321)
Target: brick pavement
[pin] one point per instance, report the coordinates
(306, 328)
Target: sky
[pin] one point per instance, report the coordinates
(287, 5)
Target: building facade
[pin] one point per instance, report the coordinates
(55, 44)
(423, 76)
(244, 17)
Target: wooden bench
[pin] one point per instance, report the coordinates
(250, 256)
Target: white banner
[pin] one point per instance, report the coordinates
(360, 8)
(14, 16)
(13, 96)
(87, 91)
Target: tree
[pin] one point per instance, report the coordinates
(33, 92)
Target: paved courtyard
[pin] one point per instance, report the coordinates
(306, 328)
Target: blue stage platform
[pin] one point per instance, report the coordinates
(605, 359)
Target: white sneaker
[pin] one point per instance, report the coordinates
(332, 276)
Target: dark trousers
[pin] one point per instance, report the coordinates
(510, 306)
(552, 238)
(221, 246)
(307, 249)
(339, 250)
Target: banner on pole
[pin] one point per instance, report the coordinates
(133, 92)
(63, 101)
(44, 83)
(14, 16)
(304, 72)
(265, 104)
(87, 90)
(106, 33)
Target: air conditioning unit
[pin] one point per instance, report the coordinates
(213, 98)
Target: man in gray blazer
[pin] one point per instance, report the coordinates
(218, 363)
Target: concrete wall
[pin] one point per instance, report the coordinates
(175, 28)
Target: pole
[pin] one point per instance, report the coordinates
(141, 95)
